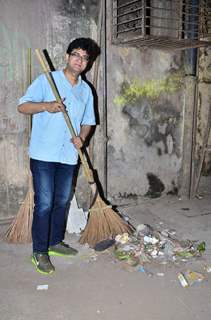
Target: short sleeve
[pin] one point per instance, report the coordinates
(35, 92)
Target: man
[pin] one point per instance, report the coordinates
(52, 150)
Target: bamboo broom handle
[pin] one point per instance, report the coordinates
(65, 114)
(29, 81)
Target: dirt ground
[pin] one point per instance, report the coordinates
(96, 286)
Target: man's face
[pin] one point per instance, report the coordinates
(77, 61)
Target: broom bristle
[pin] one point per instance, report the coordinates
(20, 229)
(103, 223)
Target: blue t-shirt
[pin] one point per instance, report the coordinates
(50, 136)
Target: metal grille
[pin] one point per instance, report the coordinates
(167, 24)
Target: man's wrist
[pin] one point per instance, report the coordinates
(44, 107)
(82, 139)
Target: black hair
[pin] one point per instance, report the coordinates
(86, 44)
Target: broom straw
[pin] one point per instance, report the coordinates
(20, 229)
(103, 222)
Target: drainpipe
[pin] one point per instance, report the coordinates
(191, 68)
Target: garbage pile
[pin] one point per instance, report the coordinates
(147, 245)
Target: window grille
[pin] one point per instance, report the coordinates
(166, 24)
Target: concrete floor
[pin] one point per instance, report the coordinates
(97, 287)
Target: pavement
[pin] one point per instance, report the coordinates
(96, 286)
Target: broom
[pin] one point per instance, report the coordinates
(103, 222)
(20, 229)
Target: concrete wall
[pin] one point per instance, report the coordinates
(203, 106)
(145, 119)
(146, 90)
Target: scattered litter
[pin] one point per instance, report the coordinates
(93, 257)
(144, 270)
(189, 277)
(208, 268)
(193, 277)
(151, 240)
(142, 230)
(147, 245)
(182, 280)
(172, 232)
(122, 238)
(42, 287)
(86, 246)
(121, 255)
(132, 261)
(165, 233)
(141, 269)
(201, 247)
(157, 245)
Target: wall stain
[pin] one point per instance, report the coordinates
(156, 186)
(126, 195)
(79, 9)
(174, 190)
(154, 123)
(159, 152)
(150, 89)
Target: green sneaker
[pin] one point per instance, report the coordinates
(61, 249)
(42, 263)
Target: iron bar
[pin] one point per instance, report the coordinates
(129, 29)
(128, 4)
(128, 21)
(128, 12)
(169, 21)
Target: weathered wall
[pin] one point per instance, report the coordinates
(145, 121)
(203, 106)
(32, 24)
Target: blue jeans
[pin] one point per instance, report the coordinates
(52, 183)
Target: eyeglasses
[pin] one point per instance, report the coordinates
(77, 56)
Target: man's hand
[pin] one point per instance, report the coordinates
(78, 142)
(54, 107)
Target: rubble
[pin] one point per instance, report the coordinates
(147, 245)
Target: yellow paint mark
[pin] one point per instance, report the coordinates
(151, 89)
